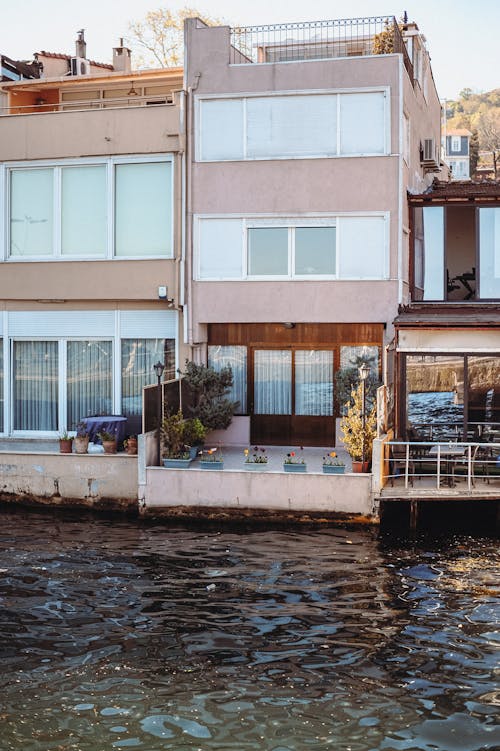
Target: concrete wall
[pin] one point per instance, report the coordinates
(93, 480)
(272, 491)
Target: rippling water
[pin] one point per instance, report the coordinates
(117, 635)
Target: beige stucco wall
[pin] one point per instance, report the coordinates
(58, 479)
(449, 340)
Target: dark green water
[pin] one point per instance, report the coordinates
(118, 635)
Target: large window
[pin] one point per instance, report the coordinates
(236, 357)
(89, 380)
(137, 359)
(293, 125)
(345, 247)
(105, 209)
(1, 386)
(35, 385)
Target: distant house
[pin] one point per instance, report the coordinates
(15, 70)
(456, 145)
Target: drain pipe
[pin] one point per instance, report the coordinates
(189, 211)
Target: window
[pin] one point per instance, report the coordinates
(345, 247)
(89, 379)
(137, 359)
(236, 357)
(35, 385)
(489, 252)
(107, 209)
(406, 138)
(293, 125)
(1, 385)
(455, 143)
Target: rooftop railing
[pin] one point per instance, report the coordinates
(318, 40)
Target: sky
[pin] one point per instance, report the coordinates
(462, 36)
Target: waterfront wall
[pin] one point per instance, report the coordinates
(93, 480)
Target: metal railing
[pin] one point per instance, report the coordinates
(444, 463)
(318, 40)
(89, 104)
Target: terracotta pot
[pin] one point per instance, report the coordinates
(65, 445)
(81, 444)
(131, 447)
(109, 447)
(360, 466)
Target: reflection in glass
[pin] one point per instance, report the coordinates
(35, 375)
(32, 212)
(138, 358)
(1, 386)
(268, 251)
(83, 211)
(433, 221)
(273, 382)
(435, 396)
(313, 382)
(236, 357)
(483, 394)
(353, 356)
(89, 380)
(489, 253)
(315, 251)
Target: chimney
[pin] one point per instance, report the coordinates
(121, 58)
(81, 45)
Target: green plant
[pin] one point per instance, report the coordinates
(357, 441)
(209, 389)
(211, 455)
(81, 430)
(194, 432)
(347, 379)
(172, 435)
(64, 436)
(293, 458)
(105, 436)
(330, 460)
(255, 457)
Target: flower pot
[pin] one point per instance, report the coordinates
(131, 446)
(109, 447)
(171, 463)
(295, 467)
(211, 465)
(194, 451)
(360, 466)
(333, 469)
(255, 466)
(65, 445)
(81, 444)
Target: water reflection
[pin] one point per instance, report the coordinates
(116, 636)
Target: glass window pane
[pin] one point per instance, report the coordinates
(89, 380)
(1, 386)
(313, 382)
(268, 251)
(273, 382)
(433, 253)
(363, 250)
(31, 212)
(143, 209)
(315, 250)
(483, 398)
(220, 248)
(83, 214)
(221, 129)
(489, 253)
(362, 123)
(435, 396)
(138, 358)
(352, 356)
(35, 376)
(220, 357)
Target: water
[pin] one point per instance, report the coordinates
(118, 635)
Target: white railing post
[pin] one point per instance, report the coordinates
(469, 467)
(438, 474)
(407, 464)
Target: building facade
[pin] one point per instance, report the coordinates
(90, 241)
(457, 153)
(303, 141)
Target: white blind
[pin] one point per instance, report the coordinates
(291, 125)
(148, 324)
(363, 248)
(221, 128)
(220, 244)
(83, 211)
(362, 123)
(32, 212)
(62, 323)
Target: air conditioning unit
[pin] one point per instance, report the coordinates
(80, 66)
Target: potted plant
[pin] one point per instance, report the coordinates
(130, 445)
(65, 443)
(81, 438)
(108, 441)
(357, 441)
(211, 459)
(193, 435)
(255, 461)
(175, 453)
(332, 465)
(209, 389)
(294, 462)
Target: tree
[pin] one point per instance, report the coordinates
(488, 127)
(160, 35)
(474, 152)
(357, 441)
(209, 389)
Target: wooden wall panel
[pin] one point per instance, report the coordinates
(303, 333)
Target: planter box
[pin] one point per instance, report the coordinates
(211, 465)
(295, 467)
(332, 469)
(176, 463)
(255, 466)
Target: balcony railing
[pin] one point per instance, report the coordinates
(89, 104)
(318, 40)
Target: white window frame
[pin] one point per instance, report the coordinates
(291, 222)
(385, 90)
(455, 144)
(57, 165)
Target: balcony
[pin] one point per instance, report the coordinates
(318, 40)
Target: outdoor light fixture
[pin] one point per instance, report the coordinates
(158, 369)
(132, 91)
(289, 325)
(364, 372)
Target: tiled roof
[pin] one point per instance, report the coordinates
(62, 56)
(458, 132)
(448, 315)
(461, 190)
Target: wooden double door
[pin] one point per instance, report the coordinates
(291, 395)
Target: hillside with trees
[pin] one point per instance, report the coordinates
(479, 113)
